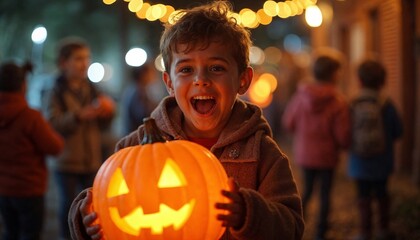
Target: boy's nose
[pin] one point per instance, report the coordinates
(201, 80)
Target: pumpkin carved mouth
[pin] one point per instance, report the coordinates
(136, 220)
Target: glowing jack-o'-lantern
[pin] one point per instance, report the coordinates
(160, 190)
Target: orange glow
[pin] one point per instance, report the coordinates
(273, 55)
(160, 191)
(271, 8)
(270, 79)
(284, 10)
(142, 12)
(168, 12)
(109, 2)
(249, 18)
(263, 18)
(133, 222)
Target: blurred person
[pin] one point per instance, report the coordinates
(376, 126)
(318, 116)
(136, 103)
(26, 138)
(80, 112)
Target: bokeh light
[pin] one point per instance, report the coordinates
(271, 8)
(256, 55)
(292, 43)
(261, 90)
(313, 16)
(136, 57)
(39, 34)
(270, 79)
(96, 72)
(273, 55)
(159, 63)
(245, 17)
(263, 18)
(109, 2)
(135, 5)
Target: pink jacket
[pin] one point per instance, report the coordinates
(318, 116)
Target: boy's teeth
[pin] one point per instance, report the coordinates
(202, 97)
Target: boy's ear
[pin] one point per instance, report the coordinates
(168, 83)
(245, 81)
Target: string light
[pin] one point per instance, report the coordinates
(247, 17)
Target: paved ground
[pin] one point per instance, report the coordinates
(51, 221)
(405, 211)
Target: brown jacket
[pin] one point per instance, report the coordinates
(250, 155)
(82, 151)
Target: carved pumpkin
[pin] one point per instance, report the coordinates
(160, 190)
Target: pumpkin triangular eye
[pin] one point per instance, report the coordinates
(171, 175)
(117, 184)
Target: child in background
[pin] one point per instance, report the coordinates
(26, 139)
(80, 113)
(370, 168)
(136, 101)
(318, 116)
(207, 66)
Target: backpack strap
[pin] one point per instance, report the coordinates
(365, 99)
(371, 99)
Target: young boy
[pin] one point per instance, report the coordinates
(371, 167)
(318, 116)
(26, 139)
(206, 60)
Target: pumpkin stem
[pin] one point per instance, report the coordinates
(152, 133)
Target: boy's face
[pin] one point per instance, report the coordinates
(205, 83)
(76, 66)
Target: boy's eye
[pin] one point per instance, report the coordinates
(217, 68)
(185, 70)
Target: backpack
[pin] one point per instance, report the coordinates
(368, 133)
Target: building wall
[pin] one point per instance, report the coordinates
(374, 28)
(416, 152)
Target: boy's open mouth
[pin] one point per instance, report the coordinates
(203, 104)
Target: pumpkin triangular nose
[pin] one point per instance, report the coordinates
(171, 176)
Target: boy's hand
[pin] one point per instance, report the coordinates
(89, 217)
(235, 217)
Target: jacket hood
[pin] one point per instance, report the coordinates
(169, 117)
(11, 105)
(316, 97)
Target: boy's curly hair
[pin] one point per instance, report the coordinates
(202, 25)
